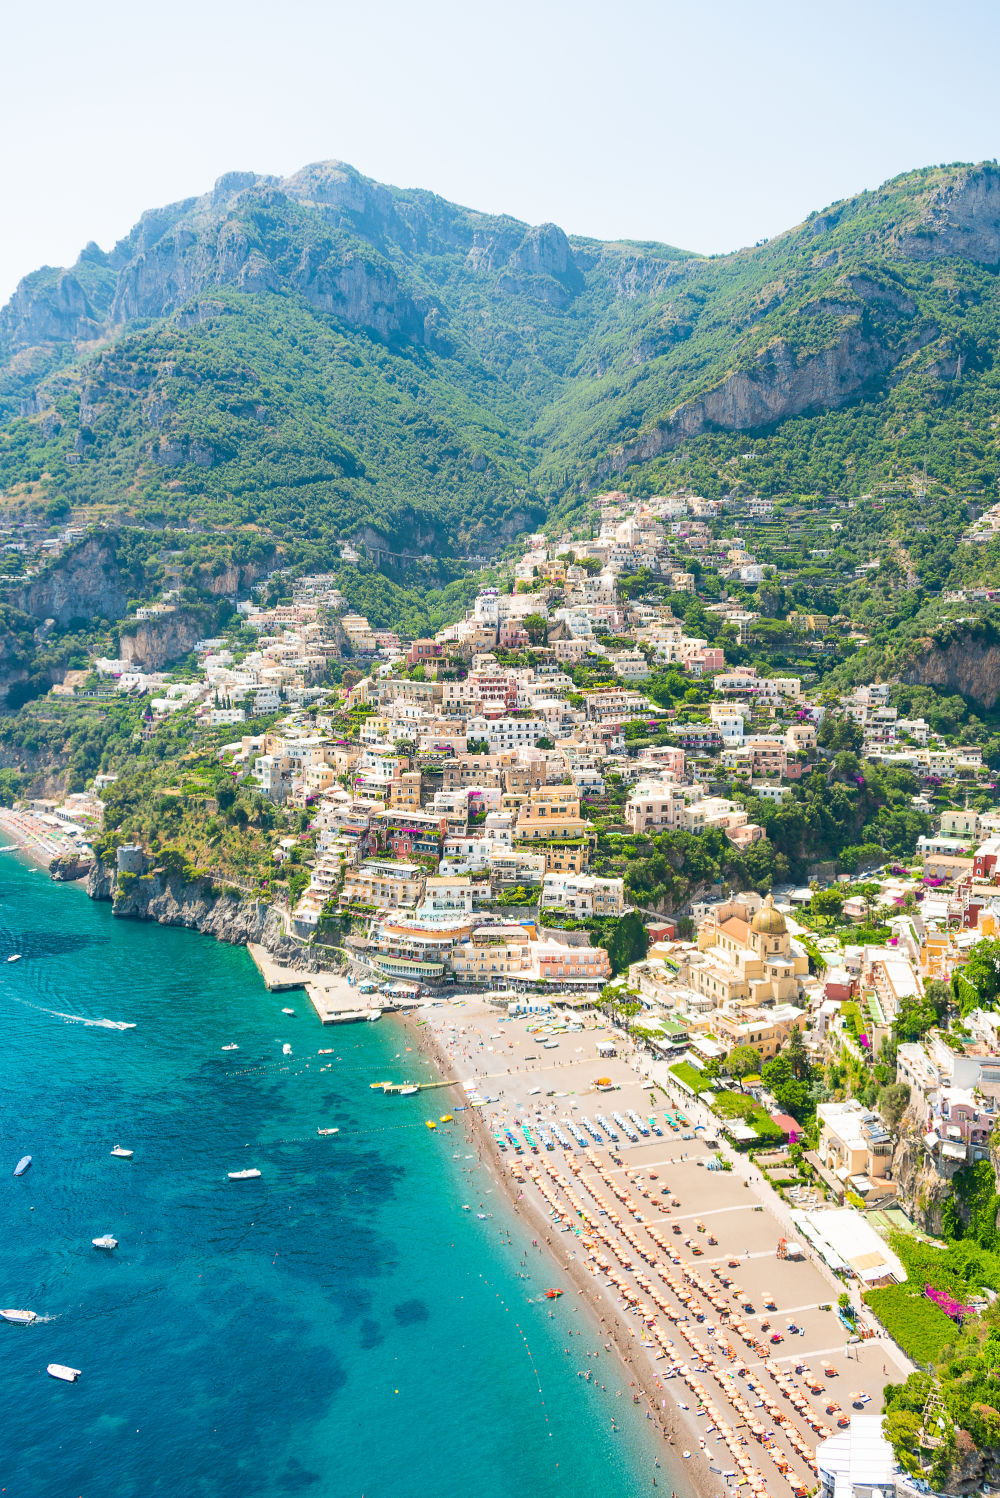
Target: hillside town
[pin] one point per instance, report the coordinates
(482, 811)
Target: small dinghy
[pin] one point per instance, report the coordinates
(327, 1131)
(122, 1154)
(243, 1175)
(327, 1051)
(14, 957)
(105, 1242)
(286, 1049)
(288, 1011)
(19, 1318)
(230, 1047)
(22, 1165)
(59, 1370)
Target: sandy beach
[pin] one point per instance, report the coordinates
(676, 1259)
(38, 840)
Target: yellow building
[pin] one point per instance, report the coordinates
(753, 962)
(551, 811)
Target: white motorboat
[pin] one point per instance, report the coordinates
(233, 1047)
(243, 1175)
(14, 957)
(106, 1241)
(59, 1370)
(286, 1049)
(122, 1154)
(408, 1089)
(327, 1051)
(20, 1318)
(327, 1131)
(288, 1011)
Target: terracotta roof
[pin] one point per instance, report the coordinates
(735, 929)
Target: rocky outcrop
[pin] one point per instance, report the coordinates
(778, 386)
(53, 306)
(968, 666)
(84, 583)
(923, 1190)
(152, 643)
(961, 219)
(174, 901)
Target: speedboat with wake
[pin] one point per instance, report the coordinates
(19, 1318)
(105, 1241)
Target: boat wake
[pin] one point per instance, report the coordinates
(78, 1019)
(104, 1024)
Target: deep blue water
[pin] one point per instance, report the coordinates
(338, 1328)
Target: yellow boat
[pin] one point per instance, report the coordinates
(446, 1118)
(431, 1124)
(374, 1085)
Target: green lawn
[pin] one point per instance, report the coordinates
(690, 1075)
(920, 1327)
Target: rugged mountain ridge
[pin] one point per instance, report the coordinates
(322, 353)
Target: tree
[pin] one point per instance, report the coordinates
(796, 1053)
(743, 1061)
(977, 984)
(837, 733)
(537, 628)
(827, 905)
(893, 1102)
(625, 941)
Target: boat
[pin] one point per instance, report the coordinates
(59, 1370)
(408, 1089)
(324, 1132)
(376, 1085)
(431, 1124)
(233, 1047)
(286, 1049)
(288, 1011)
(14, 957)
(552, 1294)
(105, 1242)
(22, 1165)
(446, 1118)
(243, 1175)
(20, 1318)
(328, 1051)
(122, 1154)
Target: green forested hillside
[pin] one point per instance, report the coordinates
(323, 357)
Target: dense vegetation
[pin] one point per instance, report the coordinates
(325, 357)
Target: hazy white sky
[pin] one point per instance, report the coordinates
(705, 125)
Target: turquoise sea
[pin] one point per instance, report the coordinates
(338, 1328)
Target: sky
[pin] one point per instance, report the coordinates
(708, 126)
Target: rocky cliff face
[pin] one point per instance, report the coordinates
(971, 667)
(153, 643)
(172, 902)
(922, 1189)
(85, 583)
(961, 219)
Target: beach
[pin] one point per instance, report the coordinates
(39, 838)
(676, 1257)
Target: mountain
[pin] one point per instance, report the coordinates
(323, 357)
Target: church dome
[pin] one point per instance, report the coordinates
(768, 921)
